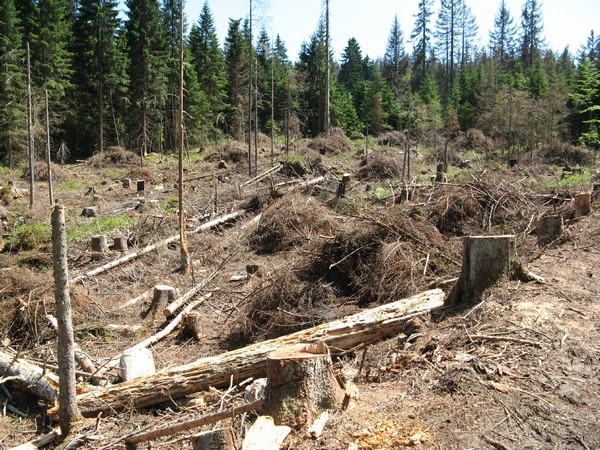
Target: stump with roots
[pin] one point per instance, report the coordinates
(301, 385)
(548, 229)
(486, 259)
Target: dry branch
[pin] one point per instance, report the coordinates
(340, 335)
(152, 247)
(204, 420)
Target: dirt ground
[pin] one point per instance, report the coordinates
(518, 369)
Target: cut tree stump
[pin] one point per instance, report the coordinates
(548, 229)
(163, 295)
(485, 260)
(192, 322)
(140, 185)
(89, 211)
(249, 362)
(595, 197)
(126, 183)
(220, 439)
(583, 204)
(99, 244)
(301, 385)
(120, 244)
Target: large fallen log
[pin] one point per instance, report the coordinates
(217, 371)
(43, 384)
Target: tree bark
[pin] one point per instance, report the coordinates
(301, 385)
(67, 402)
(220, 439)
(583, 204)
(265, 435)
(99, 244)
(30, 377)
(548, 229)
(340, 335)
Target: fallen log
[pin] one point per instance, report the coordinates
(35, 379)
(217, 371)
(152, 247)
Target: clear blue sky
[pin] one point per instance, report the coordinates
(566, 22)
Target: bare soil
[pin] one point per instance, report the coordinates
(519, 369)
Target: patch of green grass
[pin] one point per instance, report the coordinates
(115, 173)
(98, 225)
(28, 236)
(4, 170)
(73, 184)
(573, 180)
(382, 192)
(172, 205)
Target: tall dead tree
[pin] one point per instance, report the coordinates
(67, 402)
(327, 73)
(250, 78)
(184, 253)
(48, 156)
(30, 152)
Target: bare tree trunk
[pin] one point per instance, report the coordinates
(67, 400)
(327, 75)
(250, 97)
(48, 157)
(184, 253)
(30, 152)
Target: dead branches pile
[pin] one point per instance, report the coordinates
(114, 156)
(334, 143)
(381, 165)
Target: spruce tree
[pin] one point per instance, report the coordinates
(421, 37)
(236, 60)
(99, 76)
(13, 116)
(531, 32)
(395, 59)
(502, 36)
(147, 74)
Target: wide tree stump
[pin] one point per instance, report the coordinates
(595, 197)
(99, 244)
(583, 204)
(301, 385)
(89, 211)
(548, 229)
(126, 183)
(140, 184)
(220, 439)
(163, 295)
(486, 259)
(120, 244)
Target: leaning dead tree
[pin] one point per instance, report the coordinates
(340, 335)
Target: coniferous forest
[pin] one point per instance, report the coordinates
(111, 79)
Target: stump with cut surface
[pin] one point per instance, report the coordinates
(192, 323)
(163, 295)
(486, 259)
(548, 229)
(120, 244)
(99, 244)
(301, 385)
(583, 204)
(89, 211)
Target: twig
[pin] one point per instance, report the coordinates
(474, 308)
(496, 444)
(204, 420)
(483, 337)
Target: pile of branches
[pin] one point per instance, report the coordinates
(381, 165)
(334, 143)
(114, 156)
(291, 221)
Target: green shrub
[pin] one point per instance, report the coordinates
(28, 236)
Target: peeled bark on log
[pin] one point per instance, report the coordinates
(301, 385)
(136, 362)
(486, 259)
(220, 439)
(32, 378)
(548, 229)
(583, 204)
(249, 362)
(265, 435)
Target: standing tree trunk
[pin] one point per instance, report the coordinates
(48, 156)
(327, 74)
(30, 152)
(184, 253)
(67, 403)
